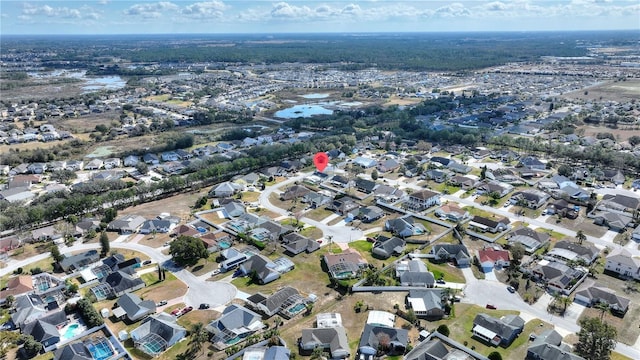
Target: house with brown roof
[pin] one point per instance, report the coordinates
(451, 211)
(17, 285)
(466, 183)
(345, 265)
(421, 200)
(185, 230)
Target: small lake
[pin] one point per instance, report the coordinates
(297, 111)
(104, 83)
(315, 96)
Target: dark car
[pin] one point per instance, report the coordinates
(146, 262)
(203, 306)
(492, 307)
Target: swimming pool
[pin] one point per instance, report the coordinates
(71, 331)
(100, 350)
(294, 310)
(224, 244)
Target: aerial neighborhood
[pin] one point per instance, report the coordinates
(489, 214)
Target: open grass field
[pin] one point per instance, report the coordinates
(621, 91)
(581, 223)
(170, 288)
(180, 205)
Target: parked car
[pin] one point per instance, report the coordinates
(511, 289)
(371, 240)
(186, 310)
(162, 303)
(204, 306)
(175, 312)
(146, 262)
(215, 272)
(490, 306)
(440, 281)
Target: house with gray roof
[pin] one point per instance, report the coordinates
(371, 344)
(133, 308)
(405, 226)
(261, 267)
(621, 262)
(157, 333)
(548, 345)
(495, 331)
(385, 247)
(426, 303)
(161, 226)
(45, 329)
(570, 251)
(333, 339)
(17, 194)
(294, 192)
(127, 224)
(615, 221)
(532, 199)
(414, 273)
(447, 252)
(122, 282)
(315, 199)
(234, 209)
(558, 276)
(421, 200)
(282, 299)
(71, 263)
(529, 238)
(370, 214)
(532, 162)
(592, 295)
(225, 189)
(364, 185)
(294, 244)
(27, 309)
(74, 351)
(439, 347)
(236, 322)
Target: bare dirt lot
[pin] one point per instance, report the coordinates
(622, 133)
(612, 90)
(179, 205)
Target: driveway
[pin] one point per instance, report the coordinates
(490, 276)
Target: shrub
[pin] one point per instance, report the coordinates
(443, 329)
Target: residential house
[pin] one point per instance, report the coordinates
(365, 162)
(80, 350)
(370, 214)
(122, 282)
(131, 160)
(75, 165)
(345, 265)
(484, 224)
(557, 276)
(16, 286)
(47, 233)
(261, 268)
(548, 345)
(372, 345)
(414, 273)
(9, 243)
(112, 163)
(279, 302)
(448, 252)
(185, 230)
(233, 209)
(405, 226)
(169, 156)
(45, 329)
(328, 320)
(532, 199)
(491, 258)
(531, 240)
(294, 244)
(71, 263)
(619, 203)
(133, 308)
(493, 186)
(236, 322)
(388, 165)
(562, 208)
(421, 200)
(232, 258)
(27, 309)
(160, 226)
(459, 168)
(466, 183)
(331, 339)
(157, 333)
(426, 303)
(94, 164)
(495, 331)
(315, 200)
(532, 163)
(19, 194)
(570, 251)
(225, 189)
(343, 205)
(621, 262)
(340, 181)
(436, 175)
(451, 212)
(440, 161)
(150, 159)
(384, 247)
(613, 220)
(593, 295)
(127, 224)
(37, 168)
(436, 346)
(365, 186)
(294, 192)
(388, 194)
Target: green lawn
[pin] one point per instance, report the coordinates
(311, 232)
(473, 211)
(447, 272)
(318, 214)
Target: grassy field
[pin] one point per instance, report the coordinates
(318, 214)
(448, 272)
(204, 266)
(250, 196)
(170, 288)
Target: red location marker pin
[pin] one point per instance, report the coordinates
(320, 160)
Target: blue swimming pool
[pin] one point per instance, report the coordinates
(100, 350)
(71, 331)
(224, 244)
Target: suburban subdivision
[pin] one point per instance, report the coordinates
(170, 208)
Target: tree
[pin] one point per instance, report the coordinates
(55, 253)
(317, 353)
(565, 170)
(517, 252)
(596, 339)
(104, 244)
(109, 215)
(443, 329)
(198, 336)
(374, 175)
(187, 250)
(494, 356)
(9, 301)
(580, 236)
(483, 172)
(31, 346)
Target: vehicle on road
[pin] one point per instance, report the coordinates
(203, 306)
(162, 303)
(440, 281)
(490, 306)
(511, 289)
(215, 272)
(146, 262)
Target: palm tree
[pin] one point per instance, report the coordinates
(198, 336)
(603, 307)
(565, 301)
(581, 236)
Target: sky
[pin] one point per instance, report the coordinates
(310, 16)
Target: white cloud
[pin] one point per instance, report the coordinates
(84, 12)
(151, 10)
(204, 10)
(452, 10)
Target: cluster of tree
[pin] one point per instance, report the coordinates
(65, 151)
(88, 313)
(187, 250)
